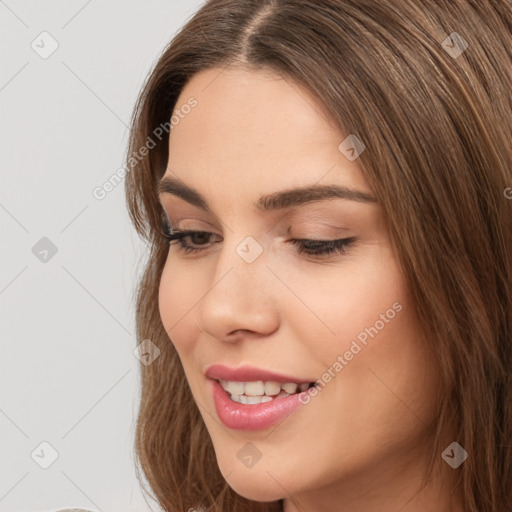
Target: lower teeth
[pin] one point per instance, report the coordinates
(244, 399)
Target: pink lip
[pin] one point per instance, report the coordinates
(248, 373)
(239, 416)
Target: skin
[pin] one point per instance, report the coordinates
(362, 443)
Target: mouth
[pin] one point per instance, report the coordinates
(258, 392)
(256, 404)
(251, 398)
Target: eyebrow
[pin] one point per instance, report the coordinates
(279, 200)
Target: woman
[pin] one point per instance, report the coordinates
(327, 299)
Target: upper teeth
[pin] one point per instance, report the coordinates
(260, 388)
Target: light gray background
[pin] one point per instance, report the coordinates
(68, 373)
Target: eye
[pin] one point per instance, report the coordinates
(323, 247)
(201, 239)
(181, 236)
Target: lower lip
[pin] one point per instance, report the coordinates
(253, 416)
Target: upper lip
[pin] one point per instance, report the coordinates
(247, 373)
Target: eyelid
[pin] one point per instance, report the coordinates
(314, 226)
(309, 234)
(184, 226)
(321, 234)
(311, 213)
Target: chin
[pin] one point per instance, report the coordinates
(256, 484)
(264, 490)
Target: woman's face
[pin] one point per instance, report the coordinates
(249, 298)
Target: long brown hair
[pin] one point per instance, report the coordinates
(434, 110)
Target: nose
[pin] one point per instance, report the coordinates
(240, 300)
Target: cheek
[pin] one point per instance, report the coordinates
(360, 298)
(176, 298)
(365, 343)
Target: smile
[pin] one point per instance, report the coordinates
(257, 392)
(256, 412)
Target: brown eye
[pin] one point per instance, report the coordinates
(201, 238)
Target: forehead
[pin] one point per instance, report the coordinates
(252, 128)
(253, 103)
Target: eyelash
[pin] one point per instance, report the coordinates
(310, 247)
